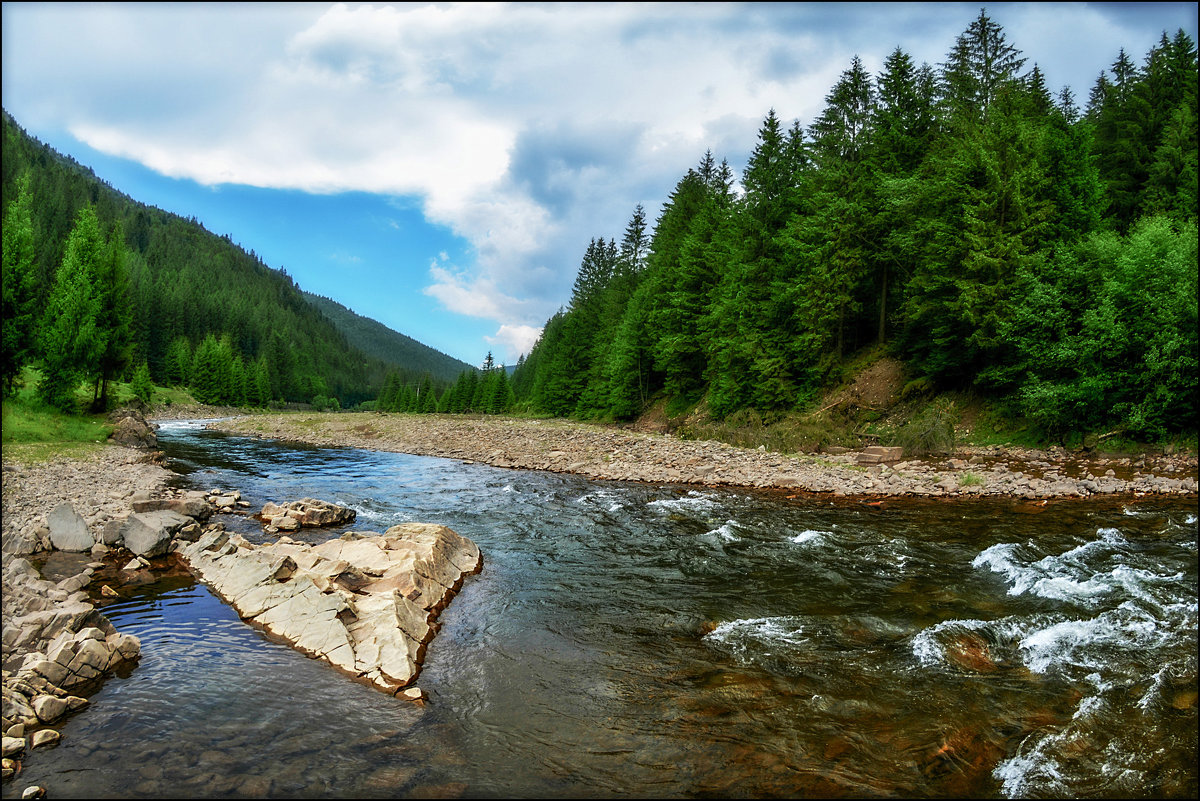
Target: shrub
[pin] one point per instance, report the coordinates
(931, 431)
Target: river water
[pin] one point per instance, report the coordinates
(634, 640)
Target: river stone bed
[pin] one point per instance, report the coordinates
(609, 453)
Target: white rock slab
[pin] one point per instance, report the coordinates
(366, 602)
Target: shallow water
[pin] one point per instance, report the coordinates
(638, 640)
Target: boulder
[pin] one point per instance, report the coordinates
(68, 530)
(134, 432)
(44, 737)
(149, 533)
(49, 708)
(877, 454)
(365, 603)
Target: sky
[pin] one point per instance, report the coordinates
(441, 168)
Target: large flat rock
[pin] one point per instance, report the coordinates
(365, 603)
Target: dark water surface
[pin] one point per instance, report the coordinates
(630, 640)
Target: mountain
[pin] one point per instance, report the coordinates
(378, 341)
(189, 286)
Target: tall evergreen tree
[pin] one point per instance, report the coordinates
(71, 342)
(19, 315)
(113, 315)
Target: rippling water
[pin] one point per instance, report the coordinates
(639, 640)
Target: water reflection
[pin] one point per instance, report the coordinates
(636, 640)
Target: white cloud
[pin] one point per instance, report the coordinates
(517, 341)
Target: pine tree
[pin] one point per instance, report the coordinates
(141, 385)
(18, 287)
(635, 245)
(70, 340)
(113, 315)
(179, 362)
(981, 63)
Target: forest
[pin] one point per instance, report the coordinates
(995, 237)
(99, 287)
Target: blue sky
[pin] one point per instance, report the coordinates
(441, 168)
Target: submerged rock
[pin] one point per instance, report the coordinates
(366, 603)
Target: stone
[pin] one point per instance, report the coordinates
(877, 454)
(134, 432)
(149, 533)
(44, 737)
(68, 530)
(13, 746)
(365, 603)
(35, 791)
(49, 708)
(307, 512)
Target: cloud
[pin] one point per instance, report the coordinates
(473, 296)
(517, 341)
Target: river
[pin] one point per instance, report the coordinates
(634, 640)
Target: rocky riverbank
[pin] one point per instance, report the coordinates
(56, 643)
(110, 521)
(612, 453)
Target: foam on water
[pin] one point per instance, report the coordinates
(810, 536)
(1080, 575)
(725, 532)
(692, 502)
(758, 636)
(602, 498)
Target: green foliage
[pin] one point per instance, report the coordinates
(322, 403)
(930, 431)
(141, 385)
(963, 216)
(971, 480)
(19, 313)
(70, 341)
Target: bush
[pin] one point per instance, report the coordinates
(931, 431)
(322, 403)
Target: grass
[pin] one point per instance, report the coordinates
(36, 432)
(970, 480)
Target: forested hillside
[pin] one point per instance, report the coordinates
(994, 237)
(380, 342)
(191, 306)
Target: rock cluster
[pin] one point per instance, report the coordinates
(54, 642)
(366, 603)
(304, 513)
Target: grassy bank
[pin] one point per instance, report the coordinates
(36, 432)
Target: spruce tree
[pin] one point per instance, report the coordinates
(71, 342)
(19, 315)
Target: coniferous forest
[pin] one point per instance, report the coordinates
(1037, 249)
(98, 287)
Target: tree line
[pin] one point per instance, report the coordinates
(486, 391)
(993, 236)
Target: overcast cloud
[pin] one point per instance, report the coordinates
(524, 129)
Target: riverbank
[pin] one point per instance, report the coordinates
(57, 644)
(610, 453)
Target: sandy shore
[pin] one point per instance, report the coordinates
(603, 452)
